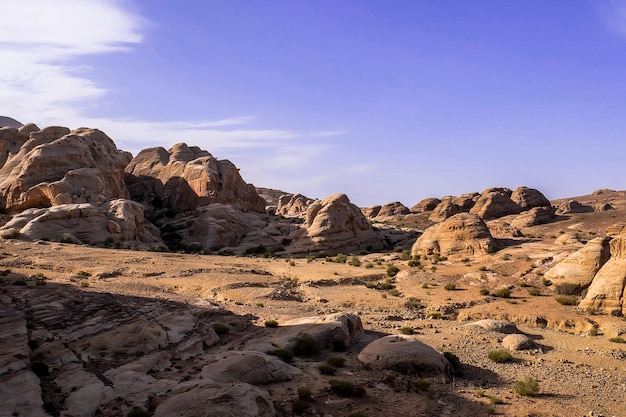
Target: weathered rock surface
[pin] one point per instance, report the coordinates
(371, 212)
(534, 216)
(251, 367)
(528, 198)
(406, 354)
(494, 203)
(427, 204)
(466, 201)
(56, 166)
(395, 208)
(496, 326)
(579, 268)
(606, 293)
(293, 205)
(501, 229)
(444, 210)
(518, 342)
(463, 233)
(572, 206)
(9, 122)
(335, 225)
(184, 178)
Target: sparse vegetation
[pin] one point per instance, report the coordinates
(392, 270)
(346, 388)
(450, 286)
(221, 328)
(566, 300)
(484, 291)
(503, 292)
(527, 387)
(326, 369)
(305, 345)
(500, 356)
(283, 354)
(336, 361)
(354, 261)
(413, 303)
(421, 384)
(406, 330)
(271, 323)
(617, 340)
(534, 291)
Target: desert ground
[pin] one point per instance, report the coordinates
(577, 361)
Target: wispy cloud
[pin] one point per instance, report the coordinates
(613, 15)
(329, 133)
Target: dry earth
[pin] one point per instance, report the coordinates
(578, 369)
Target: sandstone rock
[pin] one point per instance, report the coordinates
(601, 207)
(606, 292)
(494, 203)
(406, 354)
(327, 331)
(254, 368)
(496, 326)
(56, 166)
(371, 212)
(528, 198)
(185, 178)
(427, 204)
(395, 208)
(207, 399)
(533, 217)
(293, 205)
(462, 233)
(518, 342)
(580, 267)
(9, 122)
(616, 229)
(567, 239)
(335, 225)
(572, 206)
(465, 202)
(444, 210)
(501, 229)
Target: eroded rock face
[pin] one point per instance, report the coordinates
(406, 354)
(463, 233)
(335, 225)
(573, 206)
(395, 208)
(527, 198)
(371, 212)
(184, 178)
(427, 204)
(534, 216)
(293, 205)
(251, 367)
(580, 267)
(56, 166)
(496, 326)
(465, 202)
(444, 210)
(494, 203)
(606, 293)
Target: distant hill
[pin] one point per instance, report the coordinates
(7, 121)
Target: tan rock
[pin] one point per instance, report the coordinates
(496, 326)
(518, 342)
(567, 239)
(528, 198)
(293, 205)
(501, 229)
(579, 268)
(427, 204)
(406, 354)
(465, 202)
(533, 217)
(254, 368)
(494, 203)
(395, 208)
(463, 233)
(185, 178)
(444, 210)
(572, 206)
(371, 212)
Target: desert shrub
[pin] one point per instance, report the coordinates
(425, 285)
(385, 285)
(546, 282)
(300, 406)
(567, 288)
(436, 315)
(336, 361)
(484, 291)
(421, 384)
(340, 258)
(271, 323)
(413, 303)
(66, 238)
(490, 410)
(527, 386)
(221, 328)
(483, 268)
(407, 330)
(500, 356)
(502, 292)
(450, 286)
(534, 291)
(523, 284)
(83, 273)
(355, 261)
(305, 345)
(406, 255)
(394, 292)
(454, 360)
(490, 249)
(413, 263)
(617, 340)
(310, 258)
(159, 248)
(346, 388)
(138, 412)
(433, 268)
(369, 265)
(496, 400)
(327, 369)
(284, 355)
(566, 300)
(392, 270)
(292, 263)
(84, 284)
(305, 393)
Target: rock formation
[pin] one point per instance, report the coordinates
(580, 267)
(528, 198)
(444, 210)
(335, 225)
(427, 204)
(184, 178)
(494, 203)
(606, 292)
(371, 212)
(293, 205)
(461, 234)
(9, 122)
(466, 201)
(56, 166)
(533, 217)
(518, 342)
(395, 208)
(406, 354)
(572, 206)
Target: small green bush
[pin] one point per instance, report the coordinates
(413, 303)
(421, 384)
(406, 255)
(534, 291)
(336, 361)
(346, 388)
(355, 261)
(436, 315)
(341, 258)
(327, 369)
(496, 400)
(527, 387)
(407, 330)
(546, 282)
(221, 328)
(284, 355)
(305, 393)
(414, 263)
(385, 285)
(369, 265)
(305, 345)
(567, 288)
(500, 356)
(617, 340)
(566, 300)
(394, 292)
(484, 291)
(454, 360)
(502, 292)
(450, 286)
(392, 270)
(271, 323)
(483, 268)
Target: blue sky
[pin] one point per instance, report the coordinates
(383, 101)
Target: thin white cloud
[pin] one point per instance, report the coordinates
(329, 133)
(613, 15)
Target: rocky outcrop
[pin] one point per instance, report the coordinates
(184, 178)
(528, 198)
(502, 230)
(117, 222)
(56, 166)
(461, 234)
(371, 212)
(494, 203)
(534, 217)
(293, 205)
(466, 201)
(335, 225)
(395, 208)
(495, 326)
(606, 293)
(406, 354)
(9, 122)
(427, 204)
(579, 268)
(444, 210)
(251, 367)
(573, 206)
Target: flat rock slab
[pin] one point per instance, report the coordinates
(251, 367)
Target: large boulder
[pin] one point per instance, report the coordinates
(444, 210)
(606, 293)
(461, 234)
(518, 342)
(335, 225)
(395, 208)
(579, 268)
(533, 217)
(256, 368)
(494, 203)
(371, 212)
(9, 122)
(184, 178)
(293, 205)
(527, 198)
(56, 166)
(466, 201)
(406, 354)
(427, 204)
(573, 206)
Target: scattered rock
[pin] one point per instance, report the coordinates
(518, 342)
(497, 326)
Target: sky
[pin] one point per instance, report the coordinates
(381, 100)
